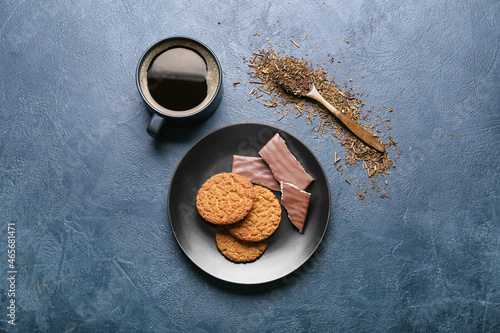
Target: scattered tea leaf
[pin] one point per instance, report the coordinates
(284, 79)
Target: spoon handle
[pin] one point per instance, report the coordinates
(351, 124)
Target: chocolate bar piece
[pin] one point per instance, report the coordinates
(283, 164)
(296, 203)
(255, 170)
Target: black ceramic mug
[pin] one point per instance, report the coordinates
(180, 80)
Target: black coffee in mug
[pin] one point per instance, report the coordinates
(180, 80)
(177, 79)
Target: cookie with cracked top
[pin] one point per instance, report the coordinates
(225, 198)
(262, 220)
(237, 250)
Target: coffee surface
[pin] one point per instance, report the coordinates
(177, 79)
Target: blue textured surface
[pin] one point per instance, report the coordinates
(87, 187)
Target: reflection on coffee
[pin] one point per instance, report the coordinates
(177, 79)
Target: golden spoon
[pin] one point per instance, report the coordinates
(351, 124)
(296, 78)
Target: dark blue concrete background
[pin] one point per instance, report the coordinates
(87, 187)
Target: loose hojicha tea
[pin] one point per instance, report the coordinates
(293, 75)
(283, 80)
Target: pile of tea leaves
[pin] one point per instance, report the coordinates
(281, 81)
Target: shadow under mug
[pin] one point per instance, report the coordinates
(163, 116)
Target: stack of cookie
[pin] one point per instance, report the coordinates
(245, 215)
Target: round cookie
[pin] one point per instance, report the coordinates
(237, 250)
(225, 198)
(262, 220)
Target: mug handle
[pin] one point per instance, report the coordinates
(155, 125)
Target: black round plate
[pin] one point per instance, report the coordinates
(288, 249)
